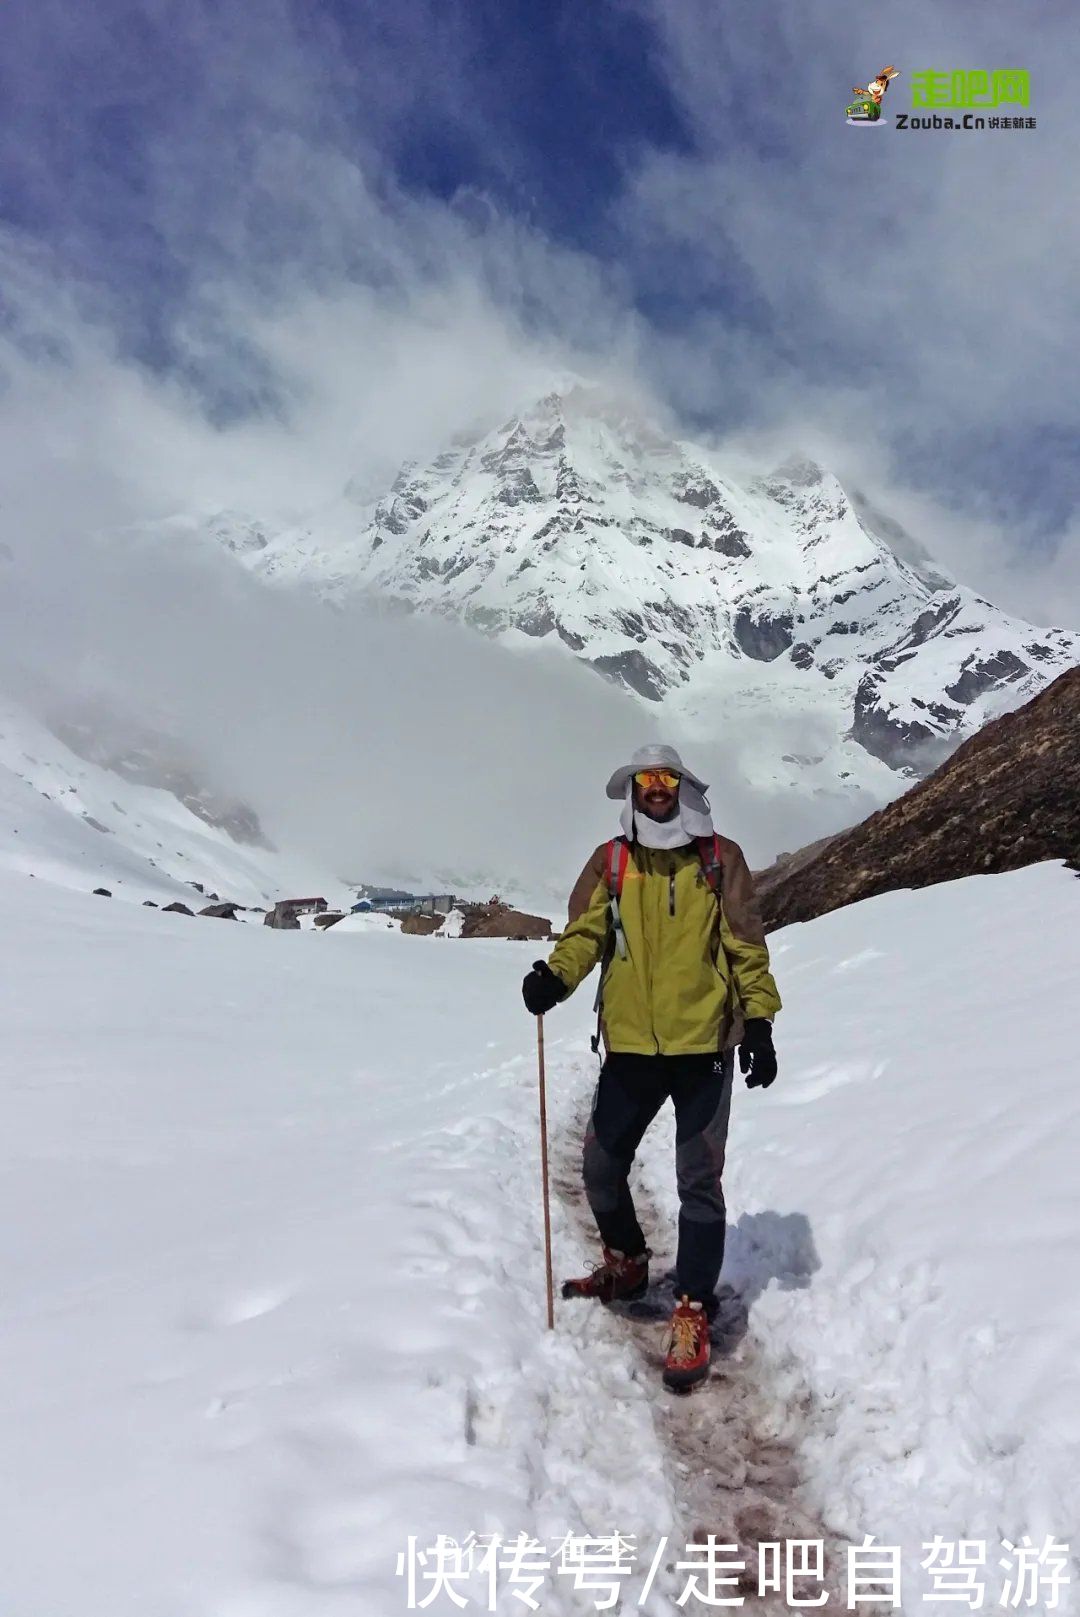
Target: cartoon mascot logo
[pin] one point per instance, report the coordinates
(866, 108)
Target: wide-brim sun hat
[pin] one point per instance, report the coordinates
(656, 756)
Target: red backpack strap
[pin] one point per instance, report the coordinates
(712, 862)
(618, 858)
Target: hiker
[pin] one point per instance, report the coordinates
(668, 911)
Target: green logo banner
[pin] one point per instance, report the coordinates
(971, 87)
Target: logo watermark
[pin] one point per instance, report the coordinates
(949, 98)
(615, 1574)
(866, 108)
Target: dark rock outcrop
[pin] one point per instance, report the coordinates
(762, 635)
(977, 677)
(421, 926)
(176, 909)
(634, 670)
(900, 743)
(1008, 797)
(499, 920)
(731, 540)
(700, 492)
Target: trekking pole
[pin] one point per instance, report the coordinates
(544, 1171)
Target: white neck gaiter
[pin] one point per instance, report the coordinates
(691, 821)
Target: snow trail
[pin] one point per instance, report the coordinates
(272, 1265)
(734, 1443)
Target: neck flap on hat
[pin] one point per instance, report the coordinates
(692, 820)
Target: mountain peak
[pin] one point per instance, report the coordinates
(798, 470)
(780, 599)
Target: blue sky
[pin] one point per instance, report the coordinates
(249, 203)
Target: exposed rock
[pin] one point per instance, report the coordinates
(699, 491)
(900, 743)
(802, 655)
(519, 488)
(487, 619)
(102, 892)
(149, 904)
(1008, 797)
(421, 926)
(978, 677)
(731, 540)
(576, 642)
(282, 920)
(634, 670)
(176, 908)
(927, 624)
(538, 623)
(762, 635)
(222, 912)
(285, 914)
(498, 920)
(632, 624)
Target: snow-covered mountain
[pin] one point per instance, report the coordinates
(76, 820)
(778, 605)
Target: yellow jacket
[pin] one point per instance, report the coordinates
(693, 970)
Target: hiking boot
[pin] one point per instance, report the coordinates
(618, 1279)
(688, 1347)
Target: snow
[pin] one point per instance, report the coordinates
(271, 1262)
(65, 820)
(365, 922)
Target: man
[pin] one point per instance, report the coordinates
(669, 910)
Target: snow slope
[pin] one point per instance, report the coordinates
(271, 1277)
(64, 819)
(778, 607)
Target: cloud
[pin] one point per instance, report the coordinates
(222, 290)
(384, 746)
(912, 289)
(228, 193)
(898, 304)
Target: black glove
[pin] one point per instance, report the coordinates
(757, 1058)
(542, 989)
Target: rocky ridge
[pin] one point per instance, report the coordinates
(1009, 797)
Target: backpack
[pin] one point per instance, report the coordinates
(618, 860)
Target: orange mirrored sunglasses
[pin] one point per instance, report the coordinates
(657, 777)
